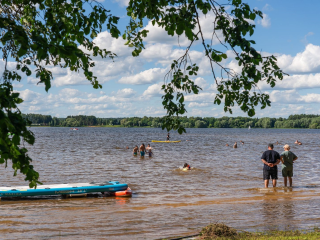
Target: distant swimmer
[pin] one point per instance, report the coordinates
(168, 137)
(149, 150)
(241, 142)
(186, 167)
(227, 145)
(277, 143)
(127, 147)
(142, 150)
(135, 151)
(297, 142)
(235, 145)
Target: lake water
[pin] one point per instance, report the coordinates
(225, 185)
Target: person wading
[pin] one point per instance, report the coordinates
(270, 159)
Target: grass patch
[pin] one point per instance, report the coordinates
(221, 231)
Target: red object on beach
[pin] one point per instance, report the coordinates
(125, 193)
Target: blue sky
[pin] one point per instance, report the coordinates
(132, 86)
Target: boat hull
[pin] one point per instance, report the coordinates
(63, 189)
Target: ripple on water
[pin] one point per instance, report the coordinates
(224, 185)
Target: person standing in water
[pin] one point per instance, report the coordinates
(135, 151)
(149, 150)
(168, 137)
(235, 145)
(142, 150)
(287, 158)
(270, 159)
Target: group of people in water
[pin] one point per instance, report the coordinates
(143, 150)
(235, 145)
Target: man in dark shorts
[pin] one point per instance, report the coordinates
(270, 159)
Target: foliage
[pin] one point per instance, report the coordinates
(36, 35)
(183, 17)
(313, 121)
(13, 133)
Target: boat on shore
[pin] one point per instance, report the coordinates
(156, 141)
(67, 190)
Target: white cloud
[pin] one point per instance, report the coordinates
(72, 78)
(157, 34)
(195, 104)
(154, 91)
(17, 85)
(201, 82)
(125, 93)
(29, 96)
(201, 97)
(115, 45)
(70, 92)
(267, 7)
(265, 21)
(207, 26)
(307, 61)
(287, 96)
(296, 82)
(122, 3)
(305, 40)
(157, 51)
(293, 97)
(146, 77)
(310, 98)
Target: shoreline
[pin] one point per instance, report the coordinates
(119, 126)
(222, 231)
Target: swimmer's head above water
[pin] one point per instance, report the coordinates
(186, 165)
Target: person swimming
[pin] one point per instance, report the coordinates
(235, 145)
(168, 137)
(297, 142)
(186, 167)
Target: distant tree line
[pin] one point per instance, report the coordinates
(293, 121)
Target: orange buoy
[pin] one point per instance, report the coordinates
(125, 193)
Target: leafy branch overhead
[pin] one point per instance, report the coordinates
(40, 34)
(37, 34)
(183, 17)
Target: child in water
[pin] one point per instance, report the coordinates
(135, 151)
(149, 150)
(186, 167)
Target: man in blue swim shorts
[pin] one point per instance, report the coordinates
(142, 150)
(270, 159)
(135, 151)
